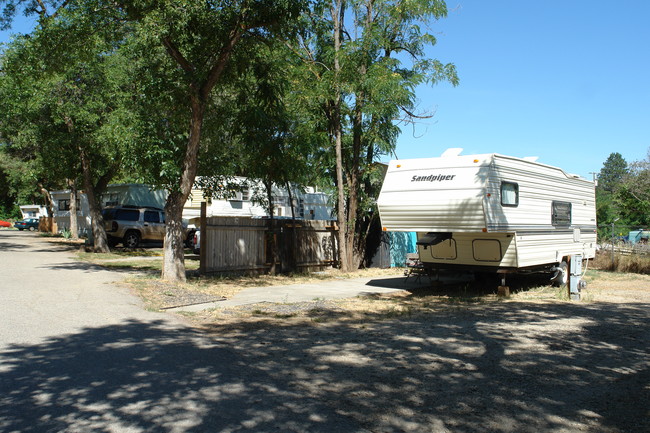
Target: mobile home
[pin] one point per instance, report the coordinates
(490, 212)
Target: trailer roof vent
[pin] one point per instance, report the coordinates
(433, 238)
(452, 151)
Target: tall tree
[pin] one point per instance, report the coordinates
(274, 149)
(610, 178)
(612, 172)
(68, 112)
(632, 195)
(369, 56)
(201, 39)
(189, 48)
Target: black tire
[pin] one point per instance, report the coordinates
(21, 229)
(561, 278)
(131, 239)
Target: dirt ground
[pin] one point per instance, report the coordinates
(460, 359)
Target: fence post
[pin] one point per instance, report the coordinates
(203, 238)
(613, 236)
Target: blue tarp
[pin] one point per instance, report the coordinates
(401, 244)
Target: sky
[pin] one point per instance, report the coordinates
(567, 81)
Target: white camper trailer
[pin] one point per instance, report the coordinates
(490, 212)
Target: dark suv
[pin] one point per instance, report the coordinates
(131, 225)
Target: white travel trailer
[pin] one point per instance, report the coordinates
(490, 212)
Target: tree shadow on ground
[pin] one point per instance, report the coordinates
(507, 367)
(93, 267)
(460, 284)
(11, 246)
(147, 377)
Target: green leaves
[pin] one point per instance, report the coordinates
(623, 192)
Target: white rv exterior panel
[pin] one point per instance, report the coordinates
(473, 249)
(533, 249)
(462, 195)
(421, 198)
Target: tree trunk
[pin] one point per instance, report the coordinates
(96, 219)
(354, 252)
(173, 248)
(293, 258)
(271, 230)
(337, 12)
(74, 226)
(174, 244)
(354, 245)
(174, 256)
(49, 203)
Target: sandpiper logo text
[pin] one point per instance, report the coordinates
(433, 178)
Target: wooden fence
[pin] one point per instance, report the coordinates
(237, 245)
(629, 250)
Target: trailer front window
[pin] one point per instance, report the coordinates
(509, 194)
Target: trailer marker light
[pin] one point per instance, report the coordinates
(384, 229)
(484, 230)
(399, 165)
(476, 160)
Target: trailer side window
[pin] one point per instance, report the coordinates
(509, 194)
(561, 214)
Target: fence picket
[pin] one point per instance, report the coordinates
(238, 245)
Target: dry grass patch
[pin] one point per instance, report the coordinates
(138, 259)
(158, 294)
(632, 263)
(618, 287)
(357, 311)
(360, 311)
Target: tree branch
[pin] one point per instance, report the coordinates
(413, 115)
(175, 53)
(63, 5)
(43, 11)
(221, 61)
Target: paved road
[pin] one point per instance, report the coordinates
(45, 293)
(78, 354)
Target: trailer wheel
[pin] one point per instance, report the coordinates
(561, 276)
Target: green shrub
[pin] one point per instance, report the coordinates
(10, 213)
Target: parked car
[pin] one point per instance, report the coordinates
(5, 224)
(131, 225)
(30, 224)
